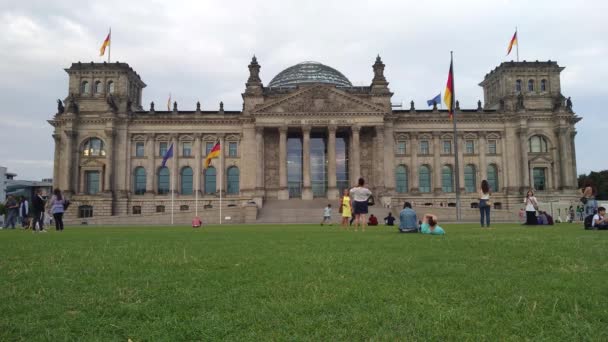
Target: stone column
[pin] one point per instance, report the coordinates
(573, 181)
(151, 158)
(356, 155)
(259, 139)
(437, 163)
(109, 171)
(460, 162)
(70, 182)
(221, 179)
(332, 191)
(379, 167)
(523, 155)
(389, 157)
(483, 165)
(413, 167)
(198, 153)
(56, 158)
(306, 190)
(174, 161)
(283, 191)
(565, 157)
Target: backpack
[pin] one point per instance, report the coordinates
(588, 222)
(66, 204)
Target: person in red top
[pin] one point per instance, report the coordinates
(373, 221)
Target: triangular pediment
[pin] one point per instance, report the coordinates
(319, 99)
(541, 159)
(91, 162)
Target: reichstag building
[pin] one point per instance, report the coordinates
(309, 133)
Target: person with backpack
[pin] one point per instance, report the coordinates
(531, 207)
(58, 205)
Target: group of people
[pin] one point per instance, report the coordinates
(21, 209)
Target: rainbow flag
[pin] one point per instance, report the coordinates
(448, 95)
(512, 42)
(105, 44)
(214, 153)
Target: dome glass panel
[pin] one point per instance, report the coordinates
(309, 72)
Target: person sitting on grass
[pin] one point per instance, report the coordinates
(407, 219)
(430, 225)
(196, 222)
(542, 218)
(373, 220)
(389, 220)
(600, 221)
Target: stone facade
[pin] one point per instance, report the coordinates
(108, 148)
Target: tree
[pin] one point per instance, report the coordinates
(599, 180)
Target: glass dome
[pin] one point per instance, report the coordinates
(309, 72)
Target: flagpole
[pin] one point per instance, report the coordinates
(516, 35)
(110, 46)
(456, 164)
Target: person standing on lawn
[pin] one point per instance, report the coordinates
(24, 211)
(345, 208)
(360, 195)
(12, 212)
(57, 205)
(484, 203)
(327, 215)
(38, 204)
(531, 207)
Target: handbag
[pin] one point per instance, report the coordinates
(370, 200)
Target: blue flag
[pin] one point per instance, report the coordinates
(168, 154)
(436, 99)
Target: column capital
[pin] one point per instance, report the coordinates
(197, 136)
(332, 128)
(70, 133)
(283, 129)
(436, 134)
(306, 129)
(259, 129)
(522, 131)
(379, 129)
(355, 128)
(57, 137)
(110, 133)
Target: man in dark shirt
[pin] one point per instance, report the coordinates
(38, 211)
(389, 220)
(12, 212)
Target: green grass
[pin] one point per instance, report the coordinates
(304, 282)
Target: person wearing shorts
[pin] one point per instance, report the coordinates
(360, 196)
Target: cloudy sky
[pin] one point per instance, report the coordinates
(199, 51)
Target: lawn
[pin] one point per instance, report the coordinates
(304, 282)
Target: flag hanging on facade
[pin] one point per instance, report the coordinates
(448, 96)
(214, 153)
(105, 44)
(512, 42)
(436, 99)
(168, 155)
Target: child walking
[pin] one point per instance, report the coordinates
(327, 215)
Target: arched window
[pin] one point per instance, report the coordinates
(401, 185)
(469, 178)
(110, 87)
(210, 180)
(446, 179)
(518, 85)
(493, 177)
(186, 181)
(233, 181)
(140, 181)
(530, 85)
(98, 87)
(84, 87)
(163, 180)
(543, 85)
(93, 147)
(424, 178)
(537, 144)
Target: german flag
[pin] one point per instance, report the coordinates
(214, 153)
(105, 44)
(512, 42)
(448, 94)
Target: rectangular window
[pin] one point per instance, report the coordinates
(539, 178)
(401, 147)
(208, 147)
(92, 181)
(162, 148)
(186, 149)
(232, 149)
(447, 147)
(491, 146)
(469, 147)
(139, 149)
(424, 147)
